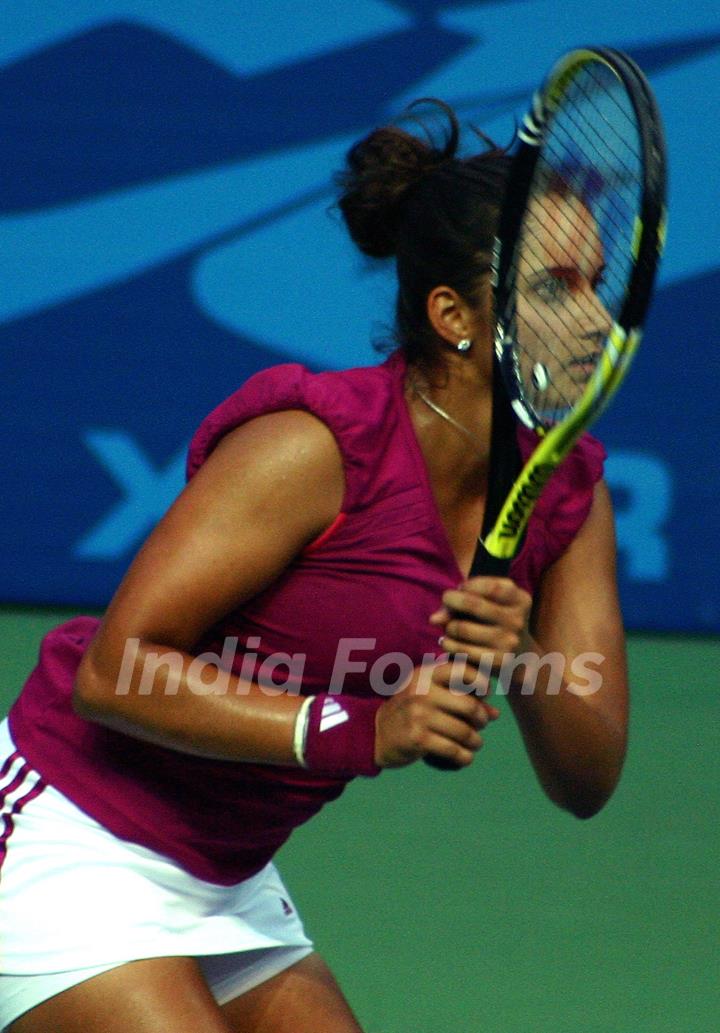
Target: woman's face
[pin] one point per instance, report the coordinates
(561, 322)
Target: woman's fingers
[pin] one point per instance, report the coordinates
(484, 616)
(432, 717)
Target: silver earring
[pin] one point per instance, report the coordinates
(465, 345)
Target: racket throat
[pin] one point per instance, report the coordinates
(503, 541)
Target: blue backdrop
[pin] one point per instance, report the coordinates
(164, 232)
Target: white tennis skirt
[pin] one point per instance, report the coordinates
(76, 901)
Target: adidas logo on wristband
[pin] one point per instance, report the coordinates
(349, 748)
(332, 714)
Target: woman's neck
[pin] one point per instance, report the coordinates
(451, 411)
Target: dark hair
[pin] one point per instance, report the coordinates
(435, 212)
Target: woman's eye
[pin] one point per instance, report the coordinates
(550, 288)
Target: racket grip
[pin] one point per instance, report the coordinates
(442, 763)
(487, 564)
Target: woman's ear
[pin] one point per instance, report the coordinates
(448, 315)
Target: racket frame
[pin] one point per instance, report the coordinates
(503, 531)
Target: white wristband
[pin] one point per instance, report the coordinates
(300, 733)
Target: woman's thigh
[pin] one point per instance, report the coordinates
(304, 998)
(149, 996)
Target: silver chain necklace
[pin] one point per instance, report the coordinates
(445, 415)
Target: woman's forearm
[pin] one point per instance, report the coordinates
(576, 745)
(159, 694)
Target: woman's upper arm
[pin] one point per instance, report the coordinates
(267, 489)
(577, 610)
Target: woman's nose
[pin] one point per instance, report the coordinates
(597, 321)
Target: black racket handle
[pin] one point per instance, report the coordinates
(491, 566)
(442, 763)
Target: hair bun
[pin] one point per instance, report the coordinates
(381, 169)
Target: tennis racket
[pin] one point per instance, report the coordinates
(580, 235)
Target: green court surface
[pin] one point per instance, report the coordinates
(466, 903)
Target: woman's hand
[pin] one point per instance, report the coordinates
(439, 712)
(486, 619)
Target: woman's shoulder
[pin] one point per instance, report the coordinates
(356, 404)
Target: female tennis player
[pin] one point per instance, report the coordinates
(277, 636)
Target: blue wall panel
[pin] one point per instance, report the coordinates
(165, 231)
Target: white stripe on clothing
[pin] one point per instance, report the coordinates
(76, 900)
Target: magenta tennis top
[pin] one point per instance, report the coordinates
(375, 575)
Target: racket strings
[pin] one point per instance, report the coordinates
(576, 245)
(598, 85)
(621, 174)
